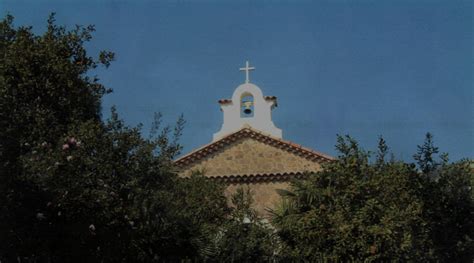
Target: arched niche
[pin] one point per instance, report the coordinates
(247, 105)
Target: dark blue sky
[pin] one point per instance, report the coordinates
(364, 68)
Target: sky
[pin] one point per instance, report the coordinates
(396, 69)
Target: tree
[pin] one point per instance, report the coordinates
(195, 211)
(81, 189)
(244, 236)
(426, 154)
(44, 89)
(45, 85)
(357, 211)
(448, 201)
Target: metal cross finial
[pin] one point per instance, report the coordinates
(247, 69)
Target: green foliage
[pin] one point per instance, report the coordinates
(44, 84)
(448, 202)
(245, 237)
(44, 89)
(382, 151)
(78, 189)
(106, 195)
(449, 209)
(357, 211)
(426, 154)
(198, 210)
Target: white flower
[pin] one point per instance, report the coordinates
(40, 216)
(92, 228)
(69, 158)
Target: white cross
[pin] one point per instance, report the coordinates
(247, 69)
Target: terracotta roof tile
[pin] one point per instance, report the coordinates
(224, 101)
(270, 97)
(258, 178)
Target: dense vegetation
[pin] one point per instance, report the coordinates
(355, 210)
(77, 188)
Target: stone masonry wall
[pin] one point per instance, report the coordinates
(249, 156)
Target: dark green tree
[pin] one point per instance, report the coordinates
(448, 202)
(195, 209)
(79, 189)
(245, 236)
(44, 89)
(357, 211)
(425, 155)
(382, 151)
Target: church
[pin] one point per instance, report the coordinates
(249, 150)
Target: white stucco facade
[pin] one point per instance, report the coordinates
(262, 112)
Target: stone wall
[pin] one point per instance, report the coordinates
(249, 156)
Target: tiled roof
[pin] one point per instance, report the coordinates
(248, 132)
(258, 178)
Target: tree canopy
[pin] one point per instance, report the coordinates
(78, 188)
(355, 210)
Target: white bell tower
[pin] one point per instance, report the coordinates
(249, 107)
